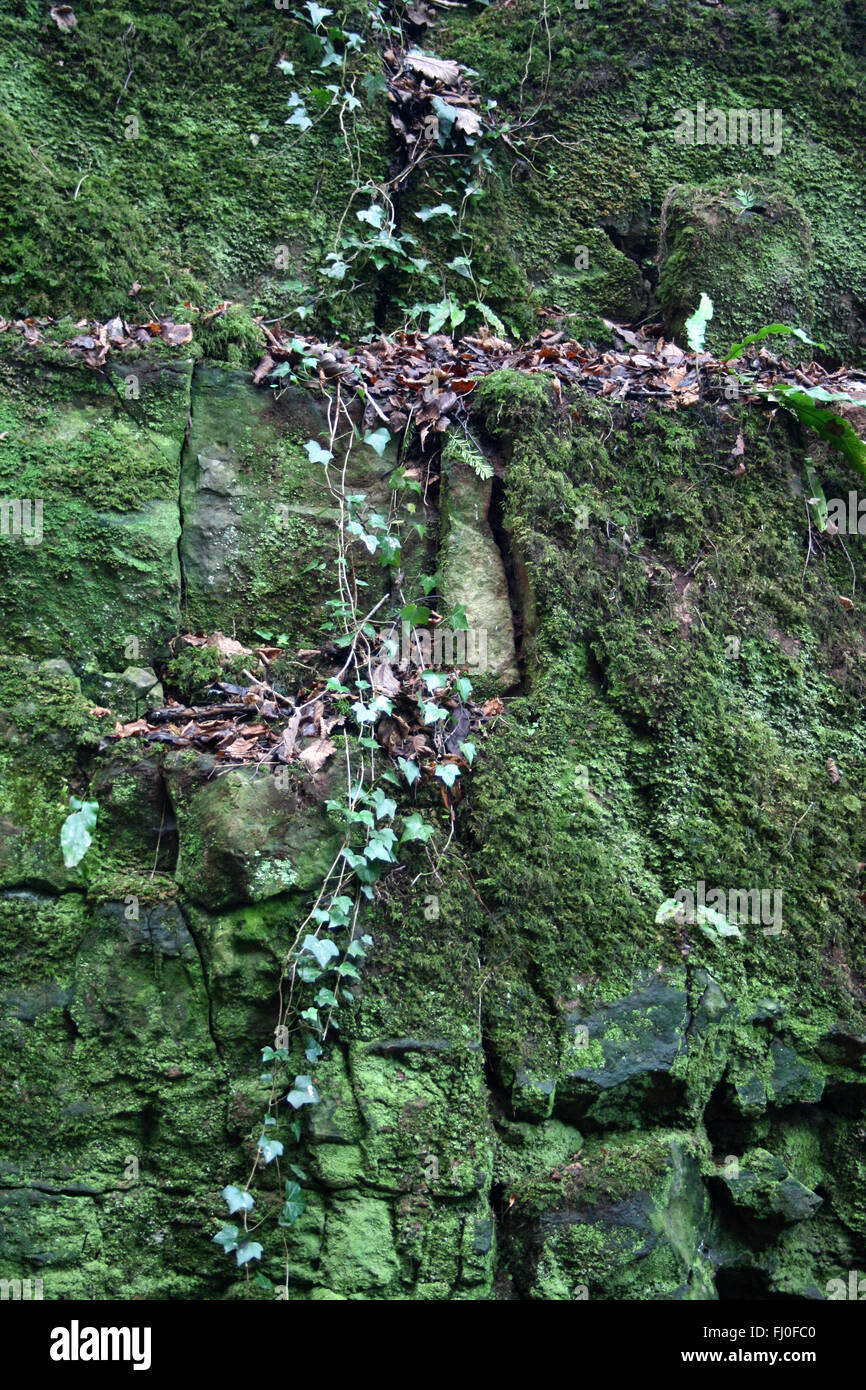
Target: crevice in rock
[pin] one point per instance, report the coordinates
(516, 595)
(183, 450)
(194, 937)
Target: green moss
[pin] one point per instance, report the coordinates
(187, 185)
(754, 264)
(600, 152)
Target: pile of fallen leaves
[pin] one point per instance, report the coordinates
(93, 341)
(255, 724)
(427, 378)
(430, 99)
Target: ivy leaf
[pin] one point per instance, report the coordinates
(315, 452)
(378, 440)
(410, 771)
(414, 614)
(303, 1093)
(414, 828)
(285, 66)
(385, 805)
(75, 837)
(432, 713)
(323, 949)
(237, 1200)
(448, 773)
(373, 83)
(463, 686)
(373, 215)
(462, 266)
(337, 270)
(294, 1205)
(300, 118)
(439, 313)
(227, 1238)
(468, 751)
(269, 1148)
(378, 848)
(446, 115)
(440, 210)
(459, 621)
(434, 680)
(316, 12)
(250, 1250)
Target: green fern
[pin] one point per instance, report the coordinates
(464, 449)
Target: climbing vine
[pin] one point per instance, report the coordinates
(323, 960)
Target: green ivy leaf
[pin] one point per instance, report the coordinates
(294, 1205)
(440, 210)
(227, 1238)
(373, 83)
(250, 1250)
(378, 440)
(373, 215)
(315, 452)
(385, 805)
(410, 770)
(321, 947)
(269, 1148)
(468, 751)
(316, 12)
(303, 1093)
(415, 615)
(462, 266)
(414, 828)
(434, 680)
(447, 773)
(300, 118)
(237, 1200)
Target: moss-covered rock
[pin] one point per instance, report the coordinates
(101, 580)
(749, 249)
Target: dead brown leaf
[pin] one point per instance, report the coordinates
(437, 69)
(176, 334)
(138, 726)
(316, 754)
(226, 646)
(63, 16)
